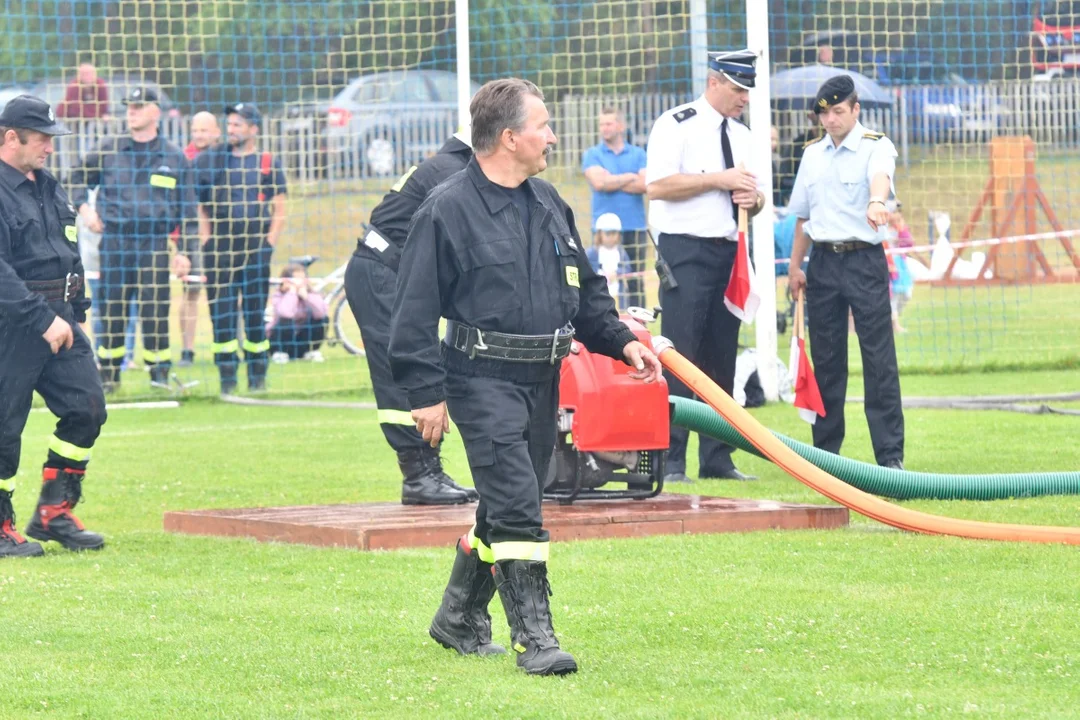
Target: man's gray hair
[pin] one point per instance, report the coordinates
(499, 105)
(22, 133)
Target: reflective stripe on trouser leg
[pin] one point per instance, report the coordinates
(520, 551)
(68, 451)
(469, 541)
(159, 356)
(256, 347)
(116, 353)
(7, 485)
(395, 417)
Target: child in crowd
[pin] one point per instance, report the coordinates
(902, 285)
(608, 257)
(298, 325)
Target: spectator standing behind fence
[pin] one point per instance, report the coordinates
(86, 97)
(205, 133)
(608, 257)
(298, 324)
(144, 191)
(615, 170)
(242, 192)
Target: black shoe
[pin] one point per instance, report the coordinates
(227, 373)
(110, 379)
(895, 464)
(12, 544)
(524, 590)
(187, 358)
(462, 622)
(676, 477)
(159, 375)
(53, 520)
(420, 486)
(256, 385)
(434, 465)
(731, 474)
(256, 373)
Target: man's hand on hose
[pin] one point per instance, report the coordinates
(646, 365)
(59, 335)
(432, 422)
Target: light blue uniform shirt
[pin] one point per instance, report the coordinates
(832, 188)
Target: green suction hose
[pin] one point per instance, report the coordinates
(886, 482)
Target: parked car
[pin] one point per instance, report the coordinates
(384, 122)
(1055, 37)
(954, 110)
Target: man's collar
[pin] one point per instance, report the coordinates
(851, 142)
(608, 148)
(493, 195)
(11, 176)
(708, 112)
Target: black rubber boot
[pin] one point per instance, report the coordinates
(256, 373)
(60, 493)
(159, 375)
(12, 544)
(227, 373)
(110, 379)
(421, 487)
(462, 622)
(434, 463)
(524, 591)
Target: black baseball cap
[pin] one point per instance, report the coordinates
(248, 111)
(140, 95)
(26, 112)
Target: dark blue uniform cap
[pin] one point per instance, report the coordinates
(833, 91)
(26, 112)
(248, 111)
(140, 95)
(737, 66)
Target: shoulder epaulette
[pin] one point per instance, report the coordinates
(684, 114)
(808, 143)
(873, 135)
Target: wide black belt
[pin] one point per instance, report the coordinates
(845, 246)
(512, 348)
(63, 290)
(374, 245)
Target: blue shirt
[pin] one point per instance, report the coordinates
(628, 207)
(832, 188)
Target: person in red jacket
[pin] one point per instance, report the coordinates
(86, 97)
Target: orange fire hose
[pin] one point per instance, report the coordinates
(841, 492)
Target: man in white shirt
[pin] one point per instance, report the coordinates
(696, 181)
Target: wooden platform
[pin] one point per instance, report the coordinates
(386, 526)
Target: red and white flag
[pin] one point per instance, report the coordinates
(741, 296)
(807, 396)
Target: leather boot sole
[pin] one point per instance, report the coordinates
(464, 499)
(24, 550)
(446, 640)
(561, 666)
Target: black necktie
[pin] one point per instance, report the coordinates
(729, 162)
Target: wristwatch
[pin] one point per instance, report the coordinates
(875, 200)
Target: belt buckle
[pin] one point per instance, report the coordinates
(838, 247)
(478, 345)
(69, 282)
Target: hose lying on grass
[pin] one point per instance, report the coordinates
(886, 482)
(851, 497)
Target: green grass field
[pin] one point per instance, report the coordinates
(861, 622)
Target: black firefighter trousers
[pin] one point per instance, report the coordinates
(68, 382)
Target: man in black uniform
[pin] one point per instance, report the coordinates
(369, 286)
(496, 252)
(41, 346)
(144, 191)
(243, 193)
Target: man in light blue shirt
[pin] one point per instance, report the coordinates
(839, 199)
(616, 173)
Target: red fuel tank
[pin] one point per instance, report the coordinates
(609, 409)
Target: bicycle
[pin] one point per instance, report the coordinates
(343, 328)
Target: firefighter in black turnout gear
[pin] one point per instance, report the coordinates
(369, 286)
(144, 191)
(42, 347)
(242, 194)
(496, 252)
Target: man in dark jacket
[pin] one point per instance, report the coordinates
(496, 252)
(369, 286)
(145, 190)
(42, 301)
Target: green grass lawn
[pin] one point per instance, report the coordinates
(861, 622)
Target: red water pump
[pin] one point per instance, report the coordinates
(612, 428)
